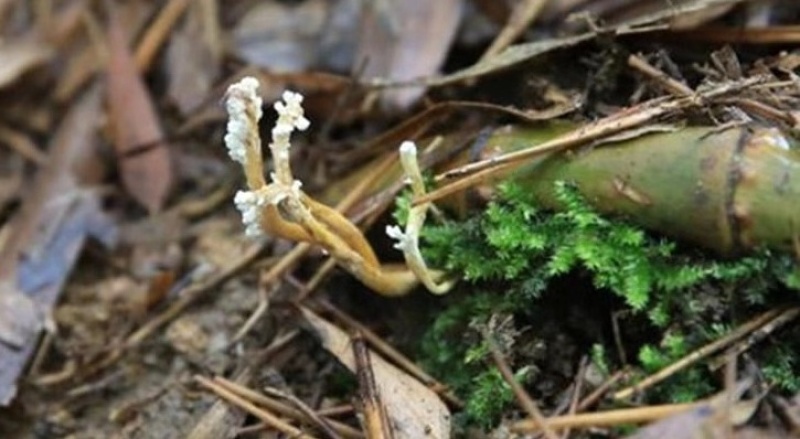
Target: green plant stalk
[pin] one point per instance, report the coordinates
(730, 190)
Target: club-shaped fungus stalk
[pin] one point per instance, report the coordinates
(280, 208)
(408, 241)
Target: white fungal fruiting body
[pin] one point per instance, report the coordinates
(244, 111)
(396, 233)
(243, 143)
(250, 204)
(290, 117)
(408, 150)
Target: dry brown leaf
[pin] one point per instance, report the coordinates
(402, 40)
(142, 154)
(414, 410)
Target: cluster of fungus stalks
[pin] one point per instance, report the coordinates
(281, 209)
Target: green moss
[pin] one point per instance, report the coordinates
(511, 255)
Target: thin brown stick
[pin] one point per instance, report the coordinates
(23, 145)
(667, 82)
(158, 32)
(520, 18)
(255, 316)
(376, 422)
(523, 398)
(699, 354)
(789, 34)
(757, 335)
(601, 390)
(262, 414)
(339, 410)
(606, 419)
(303, 408)
(318, 277)
(284, 409)
(576, 394)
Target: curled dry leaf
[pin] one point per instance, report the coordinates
(415, 411)
(142, 154)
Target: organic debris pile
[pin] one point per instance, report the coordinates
(600, 194)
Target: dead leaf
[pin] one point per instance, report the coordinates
(142, 154)
(512, 56)
(20, 317)
(47, 233)
(281, 37)
(402, 40)
(20, 56)
(192, 62)
(426, 417)
(713, 420)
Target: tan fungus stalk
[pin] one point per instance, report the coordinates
(282, 209)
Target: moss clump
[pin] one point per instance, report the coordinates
(511, 255)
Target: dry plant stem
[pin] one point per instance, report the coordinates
(670, 84)
(338, 410)
(376, 422)
(262, 414)
(66, 373)
(598, 393)
(305, 410)
(523, 398)
(699, 354)
(789, 34)
(762, 109)
(389, 352)
(787, 411)
(757, 335)
(285, 263)
(40, 357)
(576, 393)
(523, 14)
(729, 396)
(474, 173)
(312, 284)
(158, 32)
(283, 409)
(255, 316)
(607, 418)
(23, 145)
